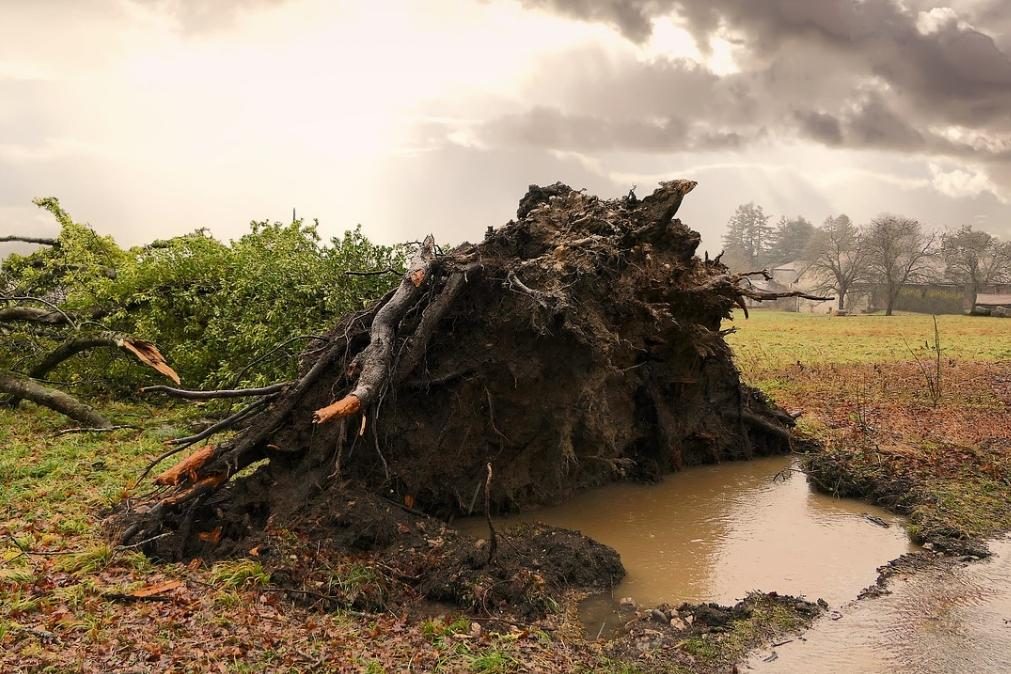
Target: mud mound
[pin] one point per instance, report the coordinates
(576, 345)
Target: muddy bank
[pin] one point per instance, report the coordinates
(709, 637)
(861, 470)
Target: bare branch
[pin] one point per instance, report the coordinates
(378, 272)
(34, 315)
(763, 295)
(224, 424)
(93, 429)
(219, 393)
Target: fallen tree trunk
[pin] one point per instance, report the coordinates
(25, 389)
(33, 315)
(576, 345)
(29, 239)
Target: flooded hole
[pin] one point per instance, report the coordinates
(714, 533)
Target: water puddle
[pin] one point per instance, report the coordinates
(935, 621)
(714, 533)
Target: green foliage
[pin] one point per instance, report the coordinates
(931, 300)
(790, 240)
(748, 238)
(212, 308)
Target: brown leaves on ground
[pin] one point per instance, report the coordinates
(891, 399)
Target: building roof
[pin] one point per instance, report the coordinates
(993, 300)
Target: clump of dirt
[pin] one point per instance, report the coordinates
(578, 344)
(708, 637)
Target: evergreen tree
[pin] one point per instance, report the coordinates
(790, 240)
(748, 239)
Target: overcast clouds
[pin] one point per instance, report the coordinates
(153, 118)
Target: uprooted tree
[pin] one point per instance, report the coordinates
(234, 313)
(49, 316)
(573, 346)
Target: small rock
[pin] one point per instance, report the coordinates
(658, 615)
(628, 602)
(678, 624)
(475, 629)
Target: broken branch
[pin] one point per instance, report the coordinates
(378, 355)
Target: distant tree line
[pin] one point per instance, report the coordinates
(891, 252)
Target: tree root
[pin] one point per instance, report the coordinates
(376, 359)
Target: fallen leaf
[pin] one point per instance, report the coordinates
(212, 536)
(157, 588)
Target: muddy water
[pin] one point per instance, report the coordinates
(713, 533)
(935, 621)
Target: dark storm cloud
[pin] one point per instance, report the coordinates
(956, 72)
(844, 73)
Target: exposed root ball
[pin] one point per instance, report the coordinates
(577, 345)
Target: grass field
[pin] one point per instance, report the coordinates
(928, 437)
(771, 340)
(946, 462)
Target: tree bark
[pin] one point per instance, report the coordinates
(377, 357)
(64, 403)
(32, 315)
(29, 239)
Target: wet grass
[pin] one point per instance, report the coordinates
(60, 578)
(862, 384)
(769, 341)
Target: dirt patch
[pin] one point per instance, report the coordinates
(709, 637)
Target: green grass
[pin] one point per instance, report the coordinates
(942, 462)
(771, 340)
(769, 618)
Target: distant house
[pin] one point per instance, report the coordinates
(993, 304)
(789, 277)
(929, 294)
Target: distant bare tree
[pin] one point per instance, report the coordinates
(976, 258)
(838, 255)
(899, 251)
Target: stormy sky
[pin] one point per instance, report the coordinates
(150, 118)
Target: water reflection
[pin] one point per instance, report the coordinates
(946, 620)
(713, 533)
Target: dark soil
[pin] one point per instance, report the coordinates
(709, 637)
